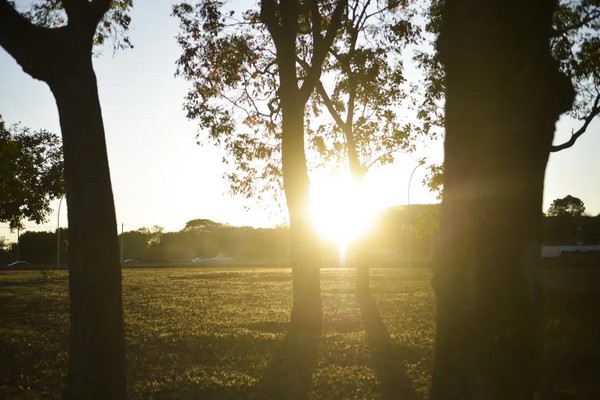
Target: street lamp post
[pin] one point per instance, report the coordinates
(58, 235)
(18, 243)
(419, 163)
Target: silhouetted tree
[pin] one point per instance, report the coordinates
(250, 66)
(504, 94)
(58, 51)
(31, 174)
(567, 206)
(202, 225)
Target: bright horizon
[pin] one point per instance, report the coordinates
(161, 177)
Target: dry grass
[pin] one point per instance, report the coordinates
(221, 334)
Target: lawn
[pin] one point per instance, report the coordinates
(221, 334)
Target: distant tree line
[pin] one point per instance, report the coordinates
(393, 231)
(154, 245)
(399, 230)
(36, 248)
(205, 238)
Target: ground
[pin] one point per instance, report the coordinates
(221, 334)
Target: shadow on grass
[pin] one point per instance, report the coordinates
(225, 368)
(572, 344)
(37, 281)
(289, 375)
(387, 357)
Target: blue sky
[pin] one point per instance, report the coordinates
(161, 177)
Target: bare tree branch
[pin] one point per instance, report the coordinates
(586, 122)
(321, 49)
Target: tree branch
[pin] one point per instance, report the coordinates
(586, 122)
(26, 42)
(74, 9)
(267, 16)
(97, 9)
(14, 29)
(330, 107)
(321, 49)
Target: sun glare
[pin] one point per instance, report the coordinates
(342, 210)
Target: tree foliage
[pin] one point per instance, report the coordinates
(575, 44)
(31, 174)
(568, 206)
(364, 88)
(230, 61)
(113, 26)
(202, 225)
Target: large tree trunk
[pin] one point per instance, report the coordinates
(305, 252)
(504, 94)
(96, 343)
(62, 57)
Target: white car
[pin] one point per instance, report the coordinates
(17, 264)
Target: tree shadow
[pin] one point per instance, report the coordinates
(387, 357)
(289, 375)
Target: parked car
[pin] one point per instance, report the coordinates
(17, 264)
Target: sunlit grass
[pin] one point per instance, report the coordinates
(218, 334)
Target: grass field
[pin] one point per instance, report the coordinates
(221, 334)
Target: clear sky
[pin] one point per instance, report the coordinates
(161, 177)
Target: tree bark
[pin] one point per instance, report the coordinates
(305, 252)
(504, 94)
(96, 342)
(283, 23)
(305, 257)
(62, 58)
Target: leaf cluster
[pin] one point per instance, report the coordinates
(113, 26)
(575, 45)
(229, 58)
(364, 87)
(231, 64)
(31, 174)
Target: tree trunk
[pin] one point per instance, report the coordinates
(305, 253)
(62, 57)
(504, 94)
(96, 344)
(363, 268)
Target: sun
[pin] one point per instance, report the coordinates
(342, 209)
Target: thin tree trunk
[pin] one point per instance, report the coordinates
(96, 342)
(282, 20)
(503, 96)
(305, 252)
